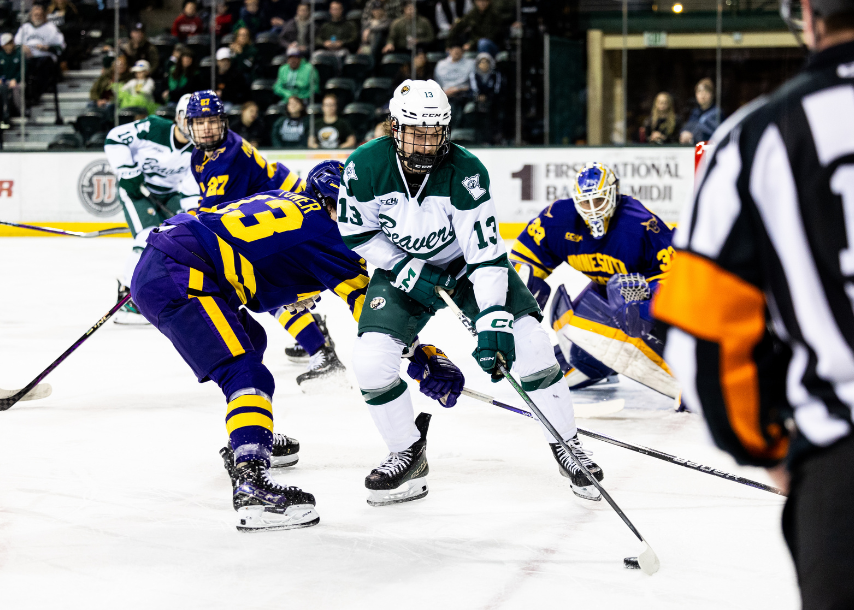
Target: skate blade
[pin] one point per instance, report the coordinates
(257, 519)
(414, 489)
(284, 461)
(332, 382)
(125, 318)
(587, 492)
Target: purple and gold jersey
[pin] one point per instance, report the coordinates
(637, 241)
(270, 250)
(237, 169)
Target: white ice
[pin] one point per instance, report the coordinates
(112, 494)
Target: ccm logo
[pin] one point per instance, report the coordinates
(431, 115)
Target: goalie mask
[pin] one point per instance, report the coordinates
(206, 120)
(597, 192)
(420, 119)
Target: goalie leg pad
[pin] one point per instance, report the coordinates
(592, 329)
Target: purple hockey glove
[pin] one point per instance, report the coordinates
(629, 295)
(440, 378)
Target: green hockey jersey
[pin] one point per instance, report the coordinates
(450, 220)
(145, 152)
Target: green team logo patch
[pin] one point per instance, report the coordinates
(377, 303)
(350, 173)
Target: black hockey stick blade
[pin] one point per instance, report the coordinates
(108, 231)
(7, 403)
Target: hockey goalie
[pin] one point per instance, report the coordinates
(625, 250)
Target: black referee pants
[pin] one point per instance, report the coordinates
(818, 523)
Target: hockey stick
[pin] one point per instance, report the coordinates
(6, 403)
(43, 390)
(672, 459)
(647, 560)
(110, 231)
(157, 203)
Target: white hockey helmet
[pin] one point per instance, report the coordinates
(181, 114)
(420, 103)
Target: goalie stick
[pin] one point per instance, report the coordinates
(647, 559)
(6, 403)
(672, 459)
(109, 231)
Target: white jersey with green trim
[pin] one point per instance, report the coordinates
(148, 148)
(451, 217)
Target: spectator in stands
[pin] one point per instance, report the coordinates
(41, 43)
(393, 10)
(10, 78)
(253, 17)
(230, 84)
(482, 28)
(224, 20)
(420, 69)
(454, 76)
(449, 12)
(102, 92)
(138, 91)
(486, 87)
(183, 78)
(297, 30)
(291, 129)
(244, 54)
(331, 131)
(704, 118)
(338, 34)
(188, 23)
(401, 36)
(251, 126)
(279, 12)
(375, 33)
(660, 125)
(140, 47)
(297, 78)
(65, 16)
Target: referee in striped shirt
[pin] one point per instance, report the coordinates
(760, 301)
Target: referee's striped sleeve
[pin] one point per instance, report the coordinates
(718, 344)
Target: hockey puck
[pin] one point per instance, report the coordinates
(631, 563)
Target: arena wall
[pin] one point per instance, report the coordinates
(77, 191)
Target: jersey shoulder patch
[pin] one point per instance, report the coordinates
(469, 181)
(154, 129)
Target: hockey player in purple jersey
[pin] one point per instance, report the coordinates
(625, 251)
(228, 168)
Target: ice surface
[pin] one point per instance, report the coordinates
(112, 494)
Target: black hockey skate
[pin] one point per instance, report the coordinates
(402, 476)
(285, 453)
(323, 367)
(578, 481)
(297, 354)
(129, 314)
(262, 504)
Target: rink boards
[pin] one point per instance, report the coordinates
(78, 191)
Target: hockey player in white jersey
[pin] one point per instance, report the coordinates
(419, 208)
(151, 159)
